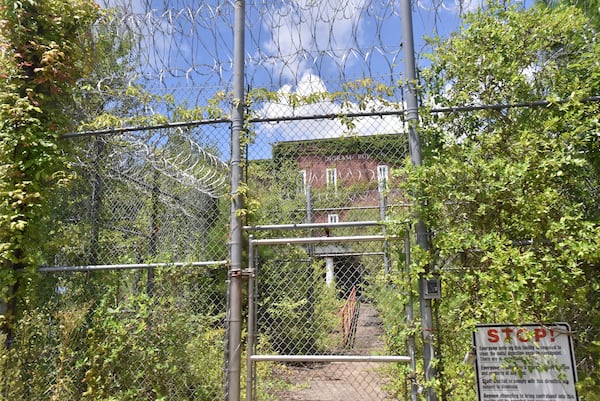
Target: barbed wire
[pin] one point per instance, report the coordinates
(174, 153)
(184, 45)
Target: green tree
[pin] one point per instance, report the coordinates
(591, 8)
(43, 52)
(510, 193)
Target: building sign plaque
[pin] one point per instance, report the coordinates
(337, 158)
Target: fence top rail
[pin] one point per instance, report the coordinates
(123, 130)
(330, 358)
(54, 269)
(321, 240)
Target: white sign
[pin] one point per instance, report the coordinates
(527, 362)
(337, 158)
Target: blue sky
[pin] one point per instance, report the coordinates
(338, 39)
(309, 46)
(292, 46)
(189, 42)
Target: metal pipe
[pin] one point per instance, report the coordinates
(251, 324)
(414, 146)
(313, 225)
(235, 230)
(56, 269)
(383, 217)
(122, 130)
(330, 358)
(320, 240)
(309, 220)
(399, 112)
(324, 255)
(410, 318)
(374, 207)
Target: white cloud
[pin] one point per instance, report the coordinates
(305, 32)
(158, 33)
(307, 129)
(453, 6)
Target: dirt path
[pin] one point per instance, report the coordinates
(344, 381)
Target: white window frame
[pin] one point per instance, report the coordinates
(382, 176)
(303, 181)
(331, 178)
(333, 218)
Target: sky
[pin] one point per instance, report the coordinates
(292, 47)
(343, 39)
(309, 46)
(189, 42)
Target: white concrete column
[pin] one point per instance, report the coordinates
(329, 275)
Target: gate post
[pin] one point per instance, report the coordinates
(412, 112)
(235, 226)
(251, 322)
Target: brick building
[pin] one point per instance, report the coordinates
(334, 180)
(348, 176)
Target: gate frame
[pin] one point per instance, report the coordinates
(250, 272)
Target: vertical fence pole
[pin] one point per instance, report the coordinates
(235, 227)
(309, 217)
(414, 144)
(152, 246)
(383, 218)
(251, 322)
(410, 318)
(310, 296)
(96, 201)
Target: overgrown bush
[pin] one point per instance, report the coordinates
(111, 341)
(297, 310)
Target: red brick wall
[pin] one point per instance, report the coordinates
(351, 169)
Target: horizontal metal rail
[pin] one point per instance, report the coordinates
(304, 226)
(122, 130)
(343, 208)
(335, 255)
(464, 108)
(329, 358)
(54, 269)
(320, 240)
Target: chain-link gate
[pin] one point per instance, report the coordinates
(315, 329)
(321, 320)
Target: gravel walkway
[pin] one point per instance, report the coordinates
(344, 381)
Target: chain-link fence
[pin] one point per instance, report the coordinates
(132, 301)
(322, 261)
(121, 334)
(131, 304)
(145, 196)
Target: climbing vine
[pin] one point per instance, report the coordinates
(510, 194)
(42, 54)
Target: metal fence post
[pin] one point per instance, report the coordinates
(383, 218)
(412, 113)
(410, 317)
(235, 245)
(251, 322)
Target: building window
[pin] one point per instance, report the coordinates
(331, 178)
(382, 177)
(333, 218)
(303, 181)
